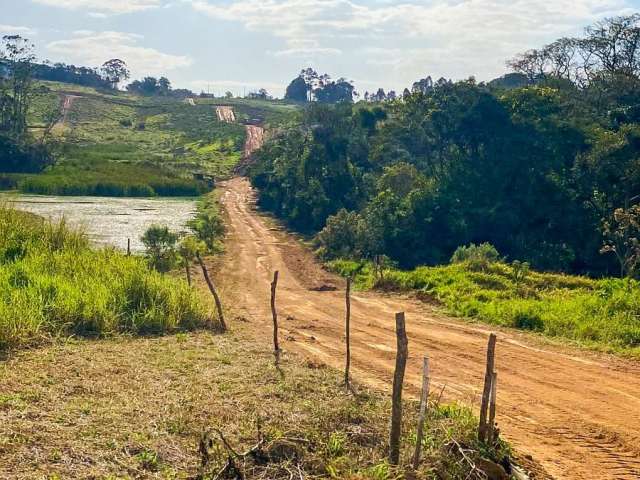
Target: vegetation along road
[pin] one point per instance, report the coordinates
(575, 412)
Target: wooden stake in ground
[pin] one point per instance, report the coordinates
(213, 291)
(486, 393)
(398, 380)
(274, 314)
(347, 332)
(492, 409)
(424, 398)
(186, 267)
(128, 247)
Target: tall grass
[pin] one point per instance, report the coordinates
(53, 284)
(603, 313)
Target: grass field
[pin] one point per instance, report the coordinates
(138, 408)
(601, 314)
(126, 145)
(52, 285)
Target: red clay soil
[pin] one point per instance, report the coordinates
(575, 412)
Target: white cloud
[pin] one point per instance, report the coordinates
(106, 6)
(454, 38)
(94, 48)
(16, 30)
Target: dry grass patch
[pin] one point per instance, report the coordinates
(138, 407)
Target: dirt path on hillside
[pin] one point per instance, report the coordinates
(67, 104)
(255, 137)
(225, 114)
(576, 413)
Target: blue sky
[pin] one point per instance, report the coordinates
(242, 45)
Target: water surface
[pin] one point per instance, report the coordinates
(108, 220)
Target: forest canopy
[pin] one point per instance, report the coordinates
(544, 164)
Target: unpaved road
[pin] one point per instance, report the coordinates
(576, 413)
(255, 137)
(225, 114)
(67, 104)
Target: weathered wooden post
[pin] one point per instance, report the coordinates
(274, 314)
(398, 380)
(128, 247)
(486, 393)
(347, 332)
(186, 267)
(424, 398)
(213, 291)
(492, 408)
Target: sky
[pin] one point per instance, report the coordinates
(243, 45)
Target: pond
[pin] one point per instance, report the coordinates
(108, 220)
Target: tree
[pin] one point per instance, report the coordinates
(16, 53)
(115, 71)
(297, 90)
(621, 232)
(228, 94)
(163, 86)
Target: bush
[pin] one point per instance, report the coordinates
(478, 257)
(160, 245)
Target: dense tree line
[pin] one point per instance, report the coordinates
(548, 172)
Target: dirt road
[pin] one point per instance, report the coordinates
(576, 413)
(225, 114)
(67, 104)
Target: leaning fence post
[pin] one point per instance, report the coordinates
(274, 314)
(213, 291)
(424, 398)
(186, 267)
(347, 332)
(128, 247)
(398, 380)
(486, 392)
(492, 408)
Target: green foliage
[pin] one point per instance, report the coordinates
(598, 313)
(477, 257)
(160, 244)
(208, 225)
(531, 170)
(53, 284)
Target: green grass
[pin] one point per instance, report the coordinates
(53, 284)
(120, 144)
(603, 314)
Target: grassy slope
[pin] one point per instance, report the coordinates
(600, 314)
(136, 408)
(52, 284)
(104, 143)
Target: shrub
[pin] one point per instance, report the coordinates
(160, 245)
(478, 257)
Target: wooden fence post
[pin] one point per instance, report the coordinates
(398, 380)
(274, 314)
(347, 332)
(186, 267)
(213, 291)
(492, 408)
(424, 398)
(486, 392)
(128, 247)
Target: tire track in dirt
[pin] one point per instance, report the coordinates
(576, 413)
